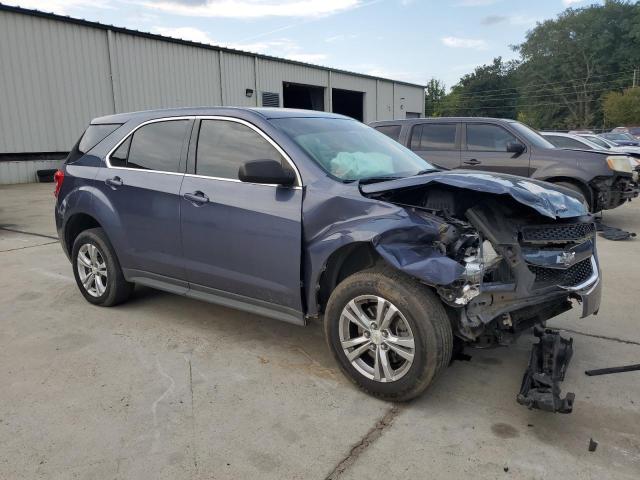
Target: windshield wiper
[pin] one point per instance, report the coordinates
(381, 178)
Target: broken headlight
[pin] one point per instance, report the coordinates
(619, 163)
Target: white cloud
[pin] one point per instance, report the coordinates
(571, 2)
(457, 42)
(185, 33)
(476, 3)
(252, 8)
(340, 37)
(283, 47)
(61, 7)
(307, 57)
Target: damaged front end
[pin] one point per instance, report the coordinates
(502, 261)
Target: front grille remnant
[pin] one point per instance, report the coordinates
(568, 233)
(569, 277)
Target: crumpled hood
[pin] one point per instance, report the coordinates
(545, 198)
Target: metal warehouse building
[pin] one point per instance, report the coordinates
(57, 73)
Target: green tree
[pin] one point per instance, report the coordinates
(490, 91)
(622, 108)
(433, 96)
(569, 63)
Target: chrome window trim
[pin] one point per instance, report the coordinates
(259, 132)
(207, 117)
(107, 158)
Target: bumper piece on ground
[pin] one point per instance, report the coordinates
(547, 366)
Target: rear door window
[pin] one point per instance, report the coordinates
(155, 146)
(224, 146)
(391, 131)
(434, 136)
(488, 138)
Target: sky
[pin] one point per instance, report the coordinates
(410, 40)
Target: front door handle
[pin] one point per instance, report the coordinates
(197, 197)
(473, 161)
(114, 182)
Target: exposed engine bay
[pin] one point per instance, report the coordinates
(515, 269)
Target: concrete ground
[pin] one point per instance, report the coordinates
(168, 387)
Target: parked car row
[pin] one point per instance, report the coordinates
(606, 179)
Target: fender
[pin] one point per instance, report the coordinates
(403, 239)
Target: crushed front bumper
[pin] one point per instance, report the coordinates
(611, 192)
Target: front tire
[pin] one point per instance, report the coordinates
(97, 270)
(389, 333)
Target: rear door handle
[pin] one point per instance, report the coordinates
(473, 161)
(196, 197)
(114, 182)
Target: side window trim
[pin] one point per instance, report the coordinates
(194, 146)
(465, 143)
(181, 163)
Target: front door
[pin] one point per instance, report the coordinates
(486, 149)
(239, 238)
(142, 182)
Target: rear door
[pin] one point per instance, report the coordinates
(485, 148)
(142, 181)
(239, 238)
(438, 143)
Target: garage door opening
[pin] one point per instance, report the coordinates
(349, 103)
(307, 97)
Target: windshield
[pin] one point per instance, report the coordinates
(531, 135)
(349, 150)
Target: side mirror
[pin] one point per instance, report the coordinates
(515, 147)
(266, 171)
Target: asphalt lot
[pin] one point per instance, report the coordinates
(169, 387)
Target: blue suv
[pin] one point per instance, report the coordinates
(294, 214)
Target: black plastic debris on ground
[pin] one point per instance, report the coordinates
(612, 233)
(606, 371)
(592, 445)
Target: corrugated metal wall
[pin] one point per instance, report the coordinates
(385, 102)
(239, 75)
(25, 172)
(56, 76)
(150, 73)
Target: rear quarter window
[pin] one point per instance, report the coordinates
(92, 136)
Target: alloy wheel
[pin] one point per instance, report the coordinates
(376, 338)
(92, 269)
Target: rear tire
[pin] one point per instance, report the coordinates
(97, 270)
(420, 316)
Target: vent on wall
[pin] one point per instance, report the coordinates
(270, 99)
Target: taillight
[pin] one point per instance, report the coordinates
(58, 177)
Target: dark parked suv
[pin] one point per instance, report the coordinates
(293, 214)
(604, 179)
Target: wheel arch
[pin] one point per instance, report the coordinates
(587, 191)
(344, 261)
(76, 224)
